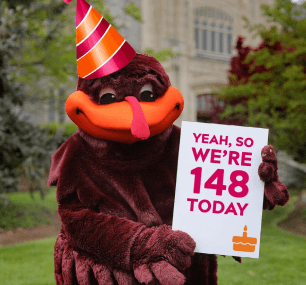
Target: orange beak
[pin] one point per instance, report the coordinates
(121, 121)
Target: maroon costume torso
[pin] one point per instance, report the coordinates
(107, 194)
(140, 188)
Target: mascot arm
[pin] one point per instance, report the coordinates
(122, 243)
(108, 238)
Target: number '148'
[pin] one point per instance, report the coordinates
(219, 186)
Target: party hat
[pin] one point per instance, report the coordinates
(101, 50)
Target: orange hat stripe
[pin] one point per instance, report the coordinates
(99, 54)
(88, 25)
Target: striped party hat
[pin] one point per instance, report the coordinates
(101, 50)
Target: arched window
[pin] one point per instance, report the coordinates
(213, 33)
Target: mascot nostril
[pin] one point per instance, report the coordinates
(78, 111)
(177, 106)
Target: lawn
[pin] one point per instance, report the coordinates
(28, 264)
(26, 212)
(282, 259)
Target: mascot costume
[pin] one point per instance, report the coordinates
(116, 175)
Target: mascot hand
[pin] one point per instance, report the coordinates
(163, 252)
(276, 192)
(268, 168)
(70, 263)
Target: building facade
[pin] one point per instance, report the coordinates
(204, 33)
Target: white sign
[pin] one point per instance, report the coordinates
(219, 195)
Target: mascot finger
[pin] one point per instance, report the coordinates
(268, 205)
(68, 266)
(58, 279)
(143, 274)
(166, 274)
(58, 256)
(284, 196)
(83, 270)
(124, 278)
(179, 260)
(102, 274)
(277, 193)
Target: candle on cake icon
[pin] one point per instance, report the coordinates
(244, 243)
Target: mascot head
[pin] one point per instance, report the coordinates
(121, 96)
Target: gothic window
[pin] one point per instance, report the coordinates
(221, 39)
(213, 33)
(204, 39)
(197, 36)
(229, 41)
(213, 36)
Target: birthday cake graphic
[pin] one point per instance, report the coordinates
(244, 243)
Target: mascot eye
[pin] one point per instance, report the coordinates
(146, 93)
(107, 98)
(147, 96)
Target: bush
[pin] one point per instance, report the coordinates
(59, 133)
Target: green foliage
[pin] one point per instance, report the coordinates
(134, 11)
(37, 57)
(268, 84)
(23, 150)
(162, 55)
(58, 133)
(14, 216)
(27, 212)
(53, 128)
(23, 147)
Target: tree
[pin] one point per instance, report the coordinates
(33, 36)
(267, 84)
(22, 146)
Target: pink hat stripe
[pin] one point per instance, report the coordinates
(85, 16)
(82, 9)
(103, 64)
(121, 58)
(92, 40)
(90, 33)
(95, 43)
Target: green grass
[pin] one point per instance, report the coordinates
(282, 259)
(25, 212)
(28, 264)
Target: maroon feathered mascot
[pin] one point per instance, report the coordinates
(115, 181)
